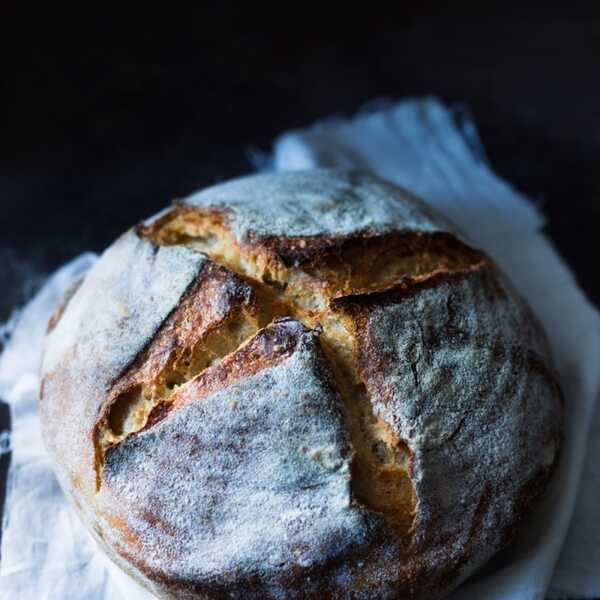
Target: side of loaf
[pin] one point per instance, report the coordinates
(299, 385)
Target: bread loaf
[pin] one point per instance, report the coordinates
(299, 385)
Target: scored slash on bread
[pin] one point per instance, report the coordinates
(299, 385)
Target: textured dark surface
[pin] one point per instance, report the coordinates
(106, 116)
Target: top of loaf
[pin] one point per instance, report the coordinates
(322, 202)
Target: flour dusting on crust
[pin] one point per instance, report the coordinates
(256, 486)
(458, 369)
(319, 202)
(115, 312)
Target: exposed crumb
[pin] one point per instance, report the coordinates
(380, 477)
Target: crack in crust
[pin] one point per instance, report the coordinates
(340, 265)
(266, 348)
(198, 334)
(309, 280)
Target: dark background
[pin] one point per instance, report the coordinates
(105, 117)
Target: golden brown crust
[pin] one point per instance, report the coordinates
(362, 407)
(215, 311)
(345, 263)
(266, 349)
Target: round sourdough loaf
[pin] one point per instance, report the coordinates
(299, 385)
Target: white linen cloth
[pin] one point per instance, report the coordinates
(418, 144)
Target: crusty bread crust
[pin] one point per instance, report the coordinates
(299, 385)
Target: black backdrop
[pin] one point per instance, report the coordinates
(105, 117)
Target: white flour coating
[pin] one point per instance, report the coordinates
(456, 381)
(317, 202)
(116, 311)
(252, 479)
